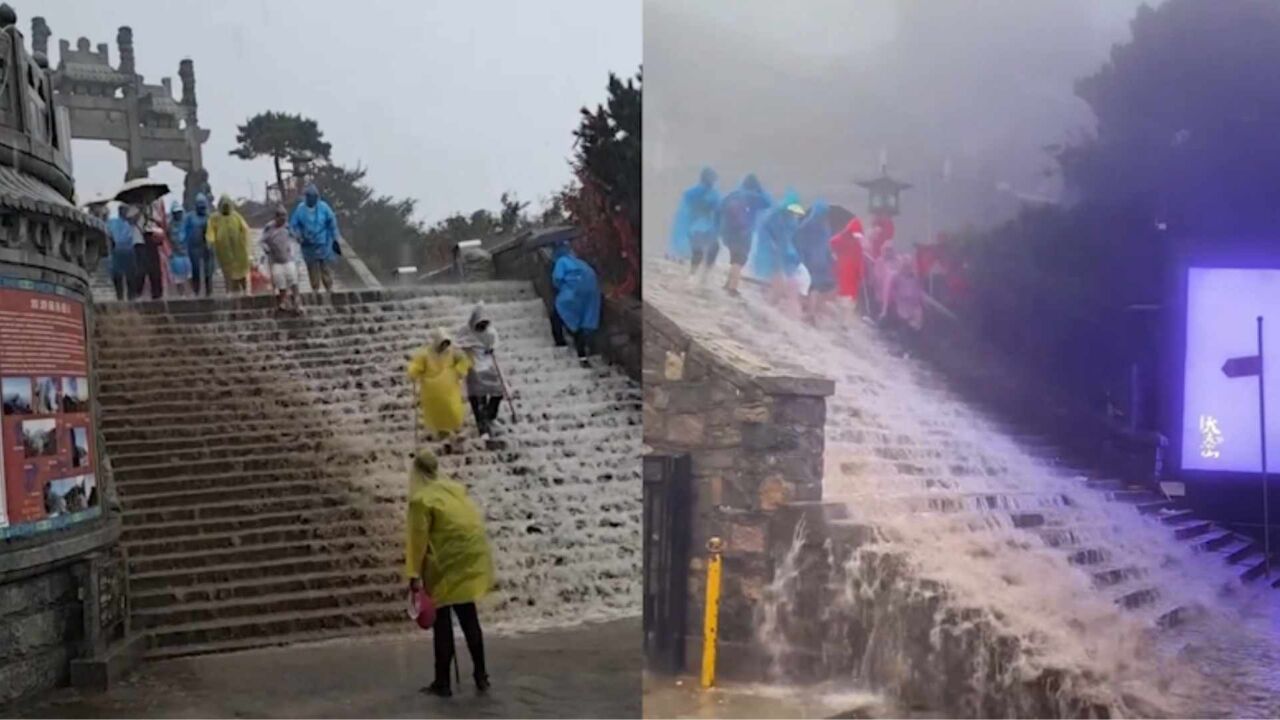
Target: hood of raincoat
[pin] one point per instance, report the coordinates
(854, 228)
(697, 215)
(814, 227)
(426, 466)
(311, 195)
(752, 183)
(175, 207)
(560, 250)
(434, 338)
(202, 204)
(470, 337)
(225, 206)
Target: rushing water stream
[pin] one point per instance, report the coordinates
(990, 572)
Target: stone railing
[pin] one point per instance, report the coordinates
(756, 443)
(620, 338)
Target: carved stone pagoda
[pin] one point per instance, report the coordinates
(37, 207)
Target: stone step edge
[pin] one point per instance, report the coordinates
(335, 560)
(273, 598)
(137, 544)
(303, 638)
(319, 546)
(208, 587)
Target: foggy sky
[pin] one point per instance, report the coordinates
(809, 95)
(448, 102)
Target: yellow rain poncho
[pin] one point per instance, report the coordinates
(439, 376)
(446, 530)
(228, 237)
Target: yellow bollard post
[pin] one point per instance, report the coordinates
(711, 620)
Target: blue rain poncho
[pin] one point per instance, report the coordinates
(121, 231)
(195, 225)
(813, 242)
(772, 250)
(315, 225)
(697, 214)
(741, 209)
(177, 221)
(577, 291)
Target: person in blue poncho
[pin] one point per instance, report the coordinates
(813, 243)
(577, 296)
(739, 212)
(694, 234)
(316, 228)
(124, 234)
(179, 261)
(773, 254)
(194, 226)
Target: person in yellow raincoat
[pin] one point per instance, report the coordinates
(228, 237)
(438, 370)
(447, 549)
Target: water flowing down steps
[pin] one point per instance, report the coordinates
(952, 558)
(260, 462)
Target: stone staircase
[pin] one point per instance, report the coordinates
(261, 464)
(951, 560)
(1060, 433)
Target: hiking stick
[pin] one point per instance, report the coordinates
(417, 436)
(506, 390)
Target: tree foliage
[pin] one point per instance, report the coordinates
(604, 199)
(387, 235)
(1187, 113)
(1185, 147)
(281, 136)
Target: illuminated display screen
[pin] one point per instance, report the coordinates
(1220, 429)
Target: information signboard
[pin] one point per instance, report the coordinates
(48, 466)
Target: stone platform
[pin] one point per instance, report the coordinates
(592, 671)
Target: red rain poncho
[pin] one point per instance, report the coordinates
(847, 248)
(881, 234)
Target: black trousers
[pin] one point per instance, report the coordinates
(147, 270)
(201, 269)
(123, 285)
(581, 339)
(442, 637)
(485, 408)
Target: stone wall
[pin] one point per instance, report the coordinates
(46, 579)
(39, 632)
(756, 444)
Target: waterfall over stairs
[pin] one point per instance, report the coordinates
(948, 561)
(261, 462)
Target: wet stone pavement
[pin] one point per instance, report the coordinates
(589, 671)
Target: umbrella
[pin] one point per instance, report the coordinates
(552, 236)
(98, 200)
(142, 191)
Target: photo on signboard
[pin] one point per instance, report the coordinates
(75, 394)
(16, 393)
(46, 399)
(39, 438)
(79, 447)
(70, 495)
